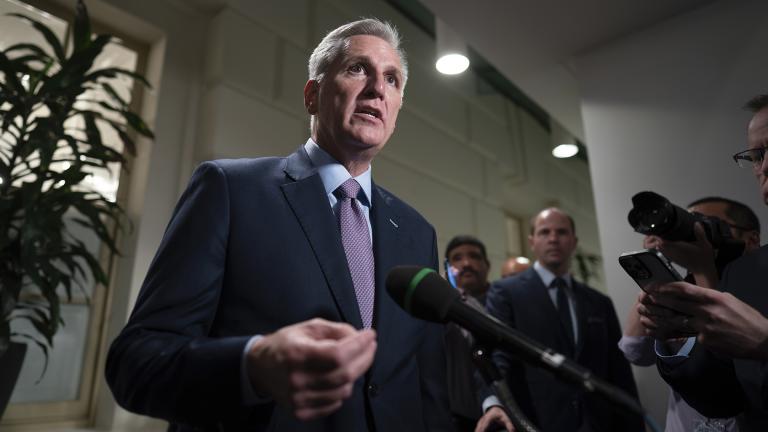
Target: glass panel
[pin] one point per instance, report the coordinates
(64, 375)
(114, 55)
(16, 30)
(62, 378)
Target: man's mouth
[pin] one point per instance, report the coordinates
(369, 112)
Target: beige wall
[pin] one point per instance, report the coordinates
(462, 155)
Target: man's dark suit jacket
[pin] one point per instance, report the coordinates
(254, 246)
(523, 302)
(718, 386)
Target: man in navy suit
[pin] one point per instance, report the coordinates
(546, 303)
(257, 312)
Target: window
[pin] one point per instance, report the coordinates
(66, 391)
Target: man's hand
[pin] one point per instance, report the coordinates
(660, 321)
(494, 418)
(698, 256)
(722, 322)
(311, 367)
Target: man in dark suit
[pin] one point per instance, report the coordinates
(264, 308)
(724, 374)
(546, 303)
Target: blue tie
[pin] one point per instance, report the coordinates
(564, 311)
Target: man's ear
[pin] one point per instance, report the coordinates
(311, 90)
(753, 241)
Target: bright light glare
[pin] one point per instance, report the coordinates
(565, 151)
(523, 260)
(452, 64)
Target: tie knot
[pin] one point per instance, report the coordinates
(558, 282)
(348, 189)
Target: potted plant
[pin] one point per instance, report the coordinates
(54, 107)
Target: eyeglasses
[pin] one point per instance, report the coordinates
(752, 158)
(740, 227)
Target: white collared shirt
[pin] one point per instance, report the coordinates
(333, 174)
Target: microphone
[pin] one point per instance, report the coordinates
(426, 295)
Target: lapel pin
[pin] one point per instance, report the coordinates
(393, 223)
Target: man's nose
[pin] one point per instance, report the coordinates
(375, 86)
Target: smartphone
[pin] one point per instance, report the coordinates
(449, 273)
(647, 266)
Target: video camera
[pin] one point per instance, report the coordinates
(652, 214)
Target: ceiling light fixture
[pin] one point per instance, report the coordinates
(451, 50)
(563, 142)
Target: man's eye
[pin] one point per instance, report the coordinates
(392, 80)
(356, 68)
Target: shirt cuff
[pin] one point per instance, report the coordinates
(638, 350)
(680, 356)
(490, 402)
(246, 388)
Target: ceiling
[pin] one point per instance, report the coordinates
(532, 42)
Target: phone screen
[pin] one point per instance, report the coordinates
(449, 273)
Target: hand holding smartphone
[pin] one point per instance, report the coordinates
(648, 266)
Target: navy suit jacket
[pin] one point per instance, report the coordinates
(718, 386)
(523, 302)
(254, 246)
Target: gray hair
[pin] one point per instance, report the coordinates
(335, 42)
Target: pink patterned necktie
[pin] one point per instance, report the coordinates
(357, 247)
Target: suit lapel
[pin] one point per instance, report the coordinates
(306, 196)
(581, 316)
(540, 293)
(387, 240)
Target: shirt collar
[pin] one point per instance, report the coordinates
(333, 174)
(547, 276)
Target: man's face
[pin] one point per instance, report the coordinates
(750, 238)
(757, 137)
(553, 241)
(471, 268)
(357, 101)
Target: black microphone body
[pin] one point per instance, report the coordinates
(426, 295)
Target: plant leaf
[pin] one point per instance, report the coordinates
(47, 33)
(114, 72)
(82, 33)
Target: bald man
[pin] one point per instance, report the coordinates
(514, 265)
(546, 303)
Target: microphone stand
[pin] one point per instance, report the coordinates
(496, 381)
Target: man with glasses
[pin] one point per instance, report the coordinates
(722, 372)
(638, 348)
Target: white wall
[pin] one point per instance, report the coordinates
(662, 113)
